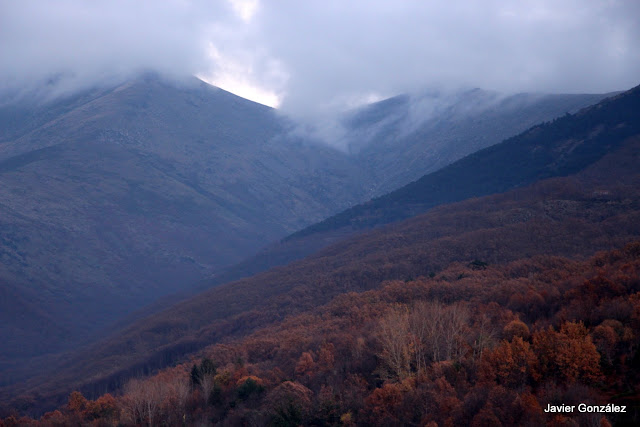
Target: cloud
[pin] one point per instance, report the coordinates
(81, 43)
(333, 49)
(314, 57)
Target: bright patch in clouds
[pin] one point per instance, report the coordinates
(244, 88)
(359, 100)
(245, 8)
(236, 75)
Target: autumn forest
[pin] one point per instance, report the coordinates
(475, 344)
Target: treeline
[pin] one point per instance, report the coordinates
(475, 344)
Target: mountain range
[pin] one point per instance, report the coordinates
(389, 136)
(569, 188)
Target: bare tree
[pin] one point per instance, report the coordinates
(133, 402)
(484, 336)
(455, 325)
(206, 385)
(428, 332)
(143, 400)
(439, 331)
(396, 342)
(153, 397)
(427, 324)
(420, 330)
(177, 390)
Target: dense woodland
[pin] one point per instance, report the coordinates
(475, 344)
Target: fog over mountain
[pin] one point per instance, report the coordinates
(312, 57)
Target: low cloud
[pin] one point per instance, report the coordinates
(334, 49)
(75, 44)
(314, 58)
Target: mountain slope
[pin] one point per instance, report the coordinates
(524, 334)
(597, 208)
(403, 138)
(115, 197)
(562, 147)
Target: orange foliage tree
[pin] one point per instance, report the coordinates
(568, 354)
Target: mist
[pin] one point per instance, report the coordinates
(313, 59)
(65, 46)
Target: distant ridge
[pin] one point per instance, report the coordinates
(559, 148)
(406, 137)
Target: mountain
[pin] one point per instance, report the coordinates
(113, 197)
(562, 147)
(571, 189)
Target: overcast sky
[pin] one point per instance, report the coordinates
(309, 56)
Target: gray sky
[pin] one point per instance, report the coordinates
(312, 56)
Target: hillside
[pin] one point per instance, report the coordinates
(140, 180)
(116, 197)
(597, 209)
(560, 148)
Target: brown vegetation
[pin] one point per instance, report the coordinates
(455, 349)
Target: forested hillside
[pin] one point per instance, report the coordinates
(363, 213)
(121, 195)
(473, 344)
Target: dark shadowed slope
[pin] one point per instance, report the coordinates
(597, 208)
